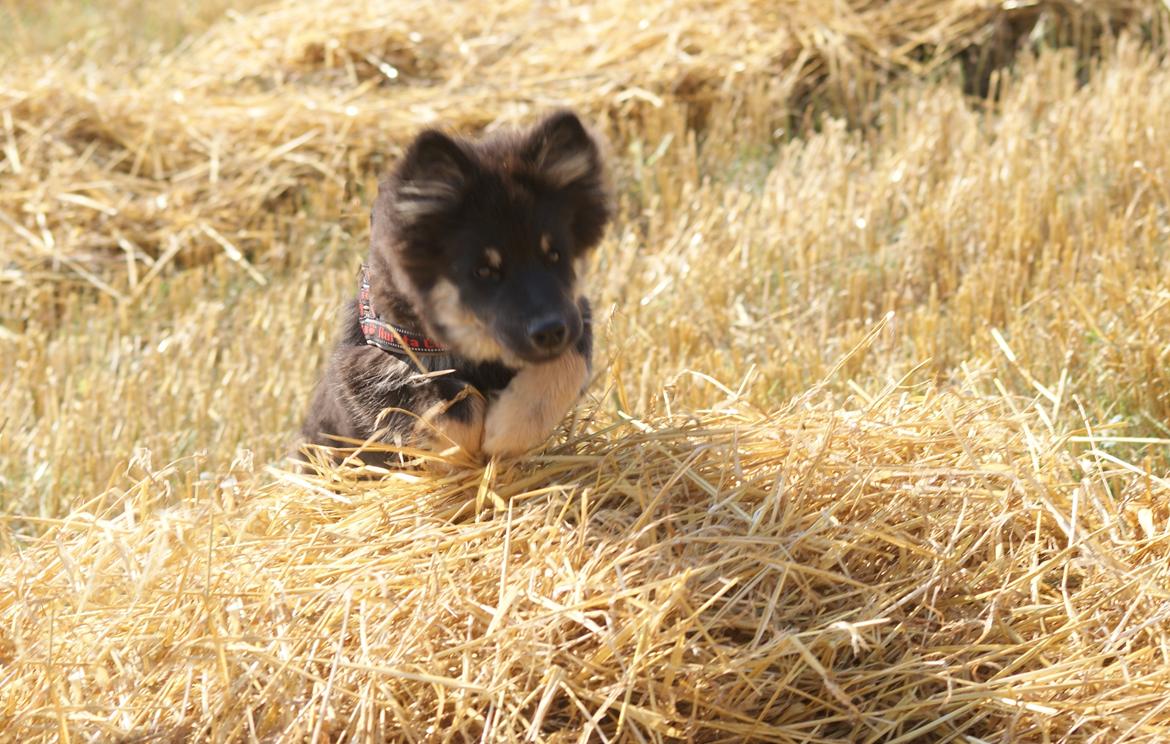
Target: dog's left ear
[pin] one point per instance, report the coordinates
(561, 151)
(432, 176)
(566, 156)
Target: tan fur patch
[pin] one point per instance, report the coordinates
(562, 169)
(442, 432)
(529, 409)
(467, 334)
(416, 200)
(495, 260)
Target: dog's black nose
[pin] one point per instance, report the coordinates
(548, 333)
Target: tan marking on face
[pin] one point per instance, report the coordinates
(465, 333)
(545, 244)
(531, 407)
(494, 259)
(440, 432)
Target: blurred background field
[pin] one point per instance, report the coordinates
(915, 254)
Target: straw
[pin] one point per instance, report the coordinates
(919, 568)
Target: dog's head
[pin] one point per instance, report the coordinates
(487, 238)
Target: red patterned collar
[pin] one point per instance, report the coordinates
(387, 336)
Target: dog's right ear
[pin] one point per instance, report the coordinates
(432, 176)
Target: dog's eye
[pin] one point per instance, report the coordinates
(487, 272)
(553, 256)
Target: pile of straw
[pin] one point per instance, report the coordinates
(925, 567)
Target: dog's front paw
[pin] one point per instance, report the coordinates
(458, 422)
(528, 410)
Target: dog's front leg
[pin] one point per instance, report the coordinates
(455, 418)
(528, 410)
(376, 392)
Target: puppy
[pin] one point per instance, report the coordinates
(476, 254)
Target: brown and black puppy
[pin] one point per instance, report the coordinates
(476, 251)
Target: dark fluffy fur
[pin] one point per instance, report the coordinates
(477, 244)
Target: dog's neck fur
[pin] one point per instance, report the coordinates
(392, 304)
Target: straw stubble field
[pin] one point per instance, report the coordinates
(876, 449)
